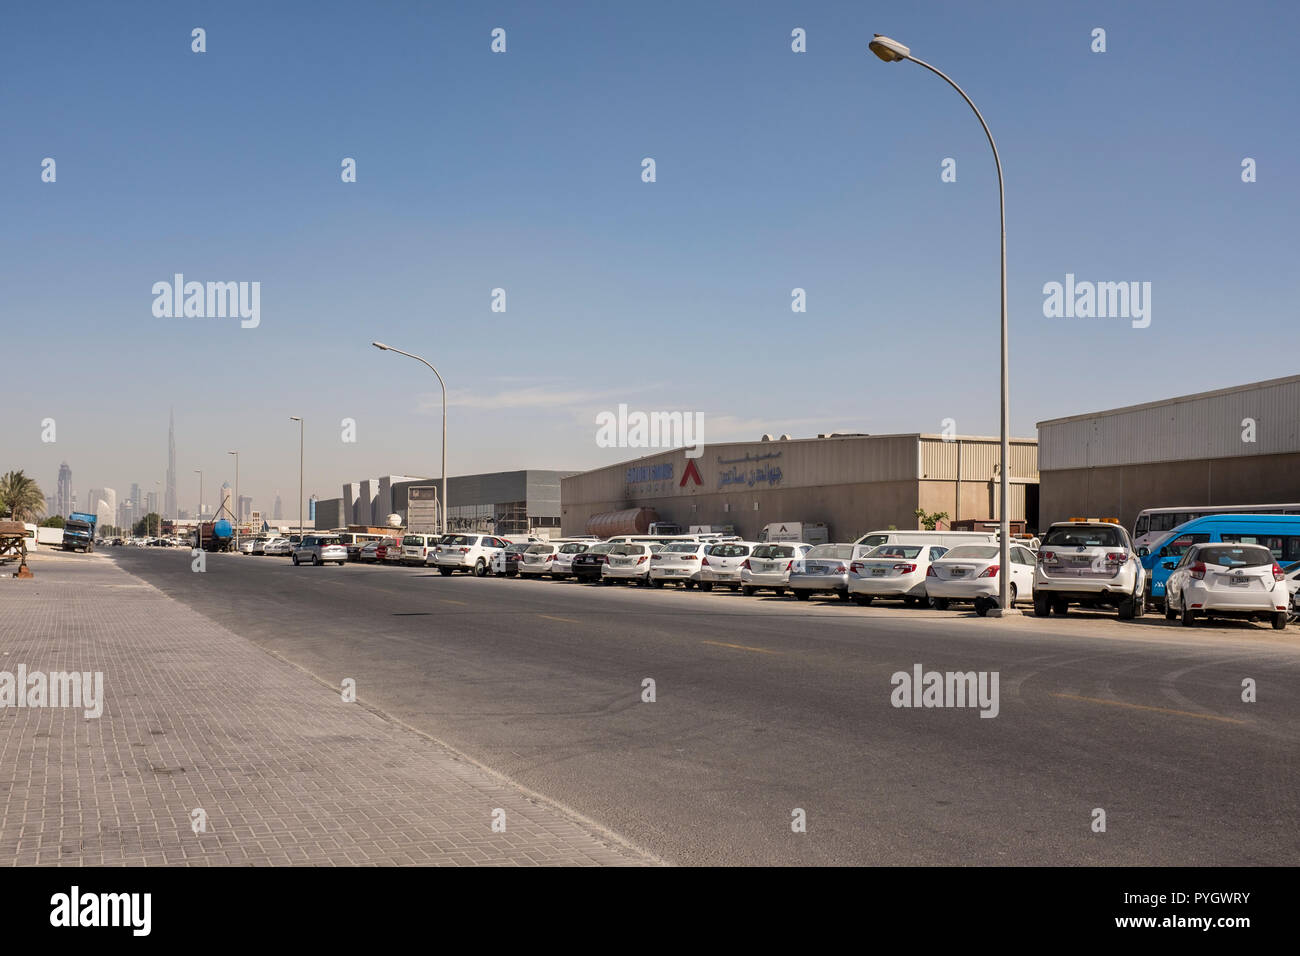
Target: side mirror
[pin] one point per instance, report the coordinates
(1169, 565)
(1143, 551)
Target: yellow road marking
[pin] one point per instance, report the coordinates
(566, 620)
(741, 647)
(1159, 710)
(450, 601)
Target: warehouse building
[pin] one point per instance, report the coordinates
(1233, 446)
(504, 502)
(852, 483)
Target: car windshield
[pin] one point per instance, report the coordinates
(573, 548)
(415, 540)
(602, 548)
(628, 549)
(874, 540)
(728, 550)
(1178, 546)
(895, 551)
(325, 542)
(1083, 536)
(1241, 556)
(837, 552)
(681, 547)
(517, 548)
(773, 551)
(969, 551)
(540, 548)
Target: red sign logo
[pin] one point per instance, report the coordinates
(692, 472)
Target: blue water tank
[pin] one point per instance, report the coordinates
(222, 529)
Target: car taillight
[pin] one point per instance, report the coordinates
(930, 572)
(789, 565)
(855, 567)
(1047, 557)
(745, 564)
(905, 568)
(703, 562)
(605, 559)
(840, 569)
(550, 557)
(464, 550)
(1198, 570)
(690, 557)
(1116, 557)
(991, 571)
(1278, 573)
(655, 557)
(641, 560)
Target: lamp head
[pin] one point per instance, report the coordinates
(380, 345)
(888, 50)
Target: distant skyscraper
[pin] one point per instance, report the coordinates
(311, 508)
(136, 502)
(278, 513)
(63, 494)
(169, 502)
(150, 503)
(49, 505)
(245, 507)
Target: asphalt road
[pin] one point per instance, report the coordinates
(765, 705)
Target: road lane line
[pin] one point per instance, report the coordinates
(741, 647)
(566, 620)
(450, 601)
(1159, 710)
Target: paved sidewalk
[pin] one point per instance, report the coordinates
(194, 716)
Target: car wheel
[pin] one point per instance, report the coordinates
(480, 569)
(656, 582)
(863, 600)
(779, 592)
(445, 572)
(1013, 594)
(1189, 616)
(1279, 620)
(747, 590)
(1042, 606)
(1127, 610)
(939, 604)
(801, 595)
(843, 595)
(983, 606)
(295, 560)
(690, 585)
(314, 561)
(910, 602)
(1170, 613)
(706, 585)
(1061, 608)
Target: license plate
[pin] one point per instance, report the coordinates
(958, 572)
(877, 572)
(1238, 582)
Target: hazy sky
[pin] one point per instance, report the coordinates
(523, 171)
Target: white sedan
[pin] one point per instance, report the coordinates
(895, 571)
(768, 566)
(1227, 580)
(721, 564)
(970, 572)
(679, 561)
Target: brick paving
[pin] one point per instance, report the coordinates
(197, 717)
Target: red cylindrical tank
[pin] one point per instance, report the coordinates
(632, 521)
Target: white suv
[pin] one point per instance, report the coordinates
(1089, 562)
(468, 552)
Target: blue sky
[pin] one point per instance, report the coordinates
(522, 171)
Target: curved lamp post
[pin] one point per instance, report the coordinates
(891, 51)
(388, 348)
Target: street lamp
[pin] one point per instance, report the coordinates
(891, 51)
(157, 500)
(199, 522)
(295, 418)
(388, 348)
(239, 505)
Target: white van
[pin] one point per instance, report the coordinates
(806, 532)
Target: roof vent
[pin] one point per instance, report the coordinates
(766, 438)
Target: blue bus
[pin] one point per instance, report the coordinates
(1279, 533)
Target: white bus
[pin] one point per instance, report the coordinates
(1154, 523)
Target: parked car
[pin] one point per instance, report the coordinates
(678, 562)
(246, 546)
(469, 552)
(720, 565)
(562, 564)
(417, 547)
(537, 559)
(1091, 563)
(278, 546)
(117, 542)
(824, 568)
(369, 552)
(258, 545)
(437, 546)
(893, 571)
(1293, 585)
(629, 562)
(588, 565)
(768, 566)
(505, 563)
(970, 572)
(1228, 580)
(392, 553)
(319, 549)
(943, 539)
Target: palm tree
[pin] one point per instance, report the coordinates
(21, 497)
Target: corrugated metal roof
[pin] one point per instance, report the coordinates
(1206, 425)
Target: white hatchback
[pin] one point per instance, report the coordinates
(721, 564)
(537, 560)
(1228, 580)
(894, 571)
(562, 563)
(769, 566)
(970, 572)
(629, 562)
